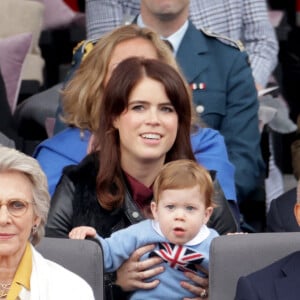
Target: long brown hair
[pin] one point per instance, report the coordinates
(115, 100)
(83, 94)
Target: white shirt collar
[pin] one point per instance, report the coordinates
(200, 236)
(175, 38)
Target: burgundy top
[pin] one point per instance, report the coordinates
(141, 194)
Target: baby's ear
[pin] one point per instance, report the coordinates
(208, 212)
(153, 207)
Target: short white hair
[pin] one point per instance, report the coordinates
(14, 160)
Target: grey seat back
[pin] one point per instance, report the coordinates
(233, 256)
(83, 257)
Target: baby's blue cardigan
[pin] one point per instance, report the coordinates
(122, 244)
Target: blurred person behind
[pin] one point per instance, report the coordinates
(245, 20)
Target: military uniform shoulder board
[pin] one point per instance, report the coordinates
(85, 47)
(236, 43)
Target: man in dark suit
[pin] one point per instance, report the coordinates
(220, 76)
(280, 217)
(278, 281)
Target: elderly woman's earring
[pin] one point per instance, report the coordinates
(34, 229)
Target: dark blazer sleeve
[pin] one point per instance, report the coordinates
(280, 217)
(240, 127)
(245, 290)
(274, 221)
(59, 222)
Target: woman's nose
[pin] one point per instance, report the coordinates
(153, 116)
(4, 214)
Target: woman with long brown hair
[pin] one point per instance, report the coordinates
(144, 122)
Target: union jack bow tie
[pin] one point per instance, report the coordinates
(178, 257)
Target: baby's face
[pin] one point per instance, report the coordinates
(181, 213)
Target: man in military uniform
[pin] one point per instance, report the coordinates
(219, 74)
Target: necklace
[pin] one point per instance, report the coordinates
(4, 289)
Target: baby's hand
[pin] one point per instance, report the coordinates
(81, 232)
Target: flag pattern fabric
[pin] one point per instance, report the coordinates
(178, 256)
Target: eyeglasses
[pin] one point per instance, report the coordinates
(16, 208)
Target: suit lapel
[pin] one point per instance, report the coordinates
(192, 54)
(288, 286)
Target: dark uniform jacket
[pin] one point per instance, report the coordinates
(223, 86)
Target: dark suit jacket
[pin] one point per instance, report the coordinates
(278, 281)
(229, 98)
(281, 213)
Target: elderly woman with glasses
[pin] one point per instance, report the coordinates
(24, 204)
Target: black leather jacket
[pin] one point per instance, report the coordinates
(74, 203)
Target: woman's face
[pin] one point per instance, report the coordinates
(133, 47)
(15, 230)
(148, 127)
